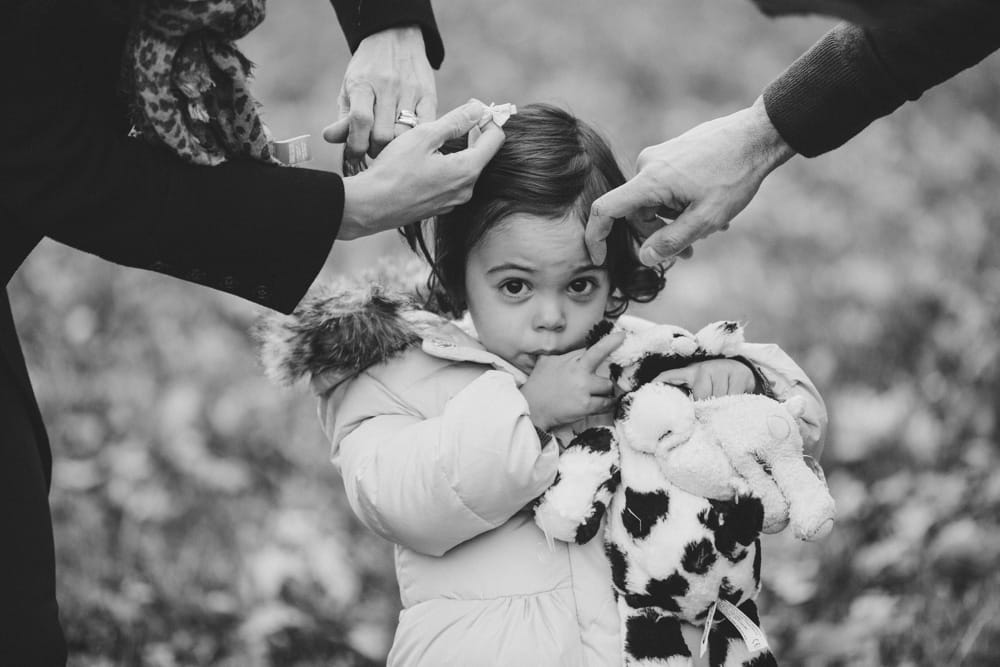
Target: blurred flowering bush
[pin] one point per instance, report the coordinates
(198, 521)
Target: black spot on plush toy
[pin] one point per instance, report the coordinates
(686, 487)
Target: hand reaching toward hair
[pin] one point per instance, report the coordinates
(411, 180)
(703, 179)
(565, 388)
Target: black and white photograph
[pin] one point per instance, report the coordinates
(461, 333)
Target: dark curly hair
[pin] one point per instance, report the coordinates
(551, 164)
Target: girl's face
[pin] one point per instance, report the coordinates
(532, 289)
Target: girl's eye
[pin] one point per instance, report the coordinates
(514, 287)
(582, 287)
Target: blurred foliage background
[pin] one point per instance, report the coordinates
(198, 521)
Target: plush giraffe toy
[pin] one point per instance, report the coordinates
(687, 488)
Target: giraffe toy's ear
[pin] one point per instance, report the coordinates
(722, 338)
(655, 418)
(796, 406)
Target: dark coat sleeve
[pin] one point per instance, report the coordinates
(855, 75)
(360, 18)
(68, 171)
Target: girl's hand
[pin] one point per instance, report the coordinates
(715, 377)
(565, 388)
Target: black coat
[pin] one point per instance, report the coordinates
(855, 75)
(68, 172)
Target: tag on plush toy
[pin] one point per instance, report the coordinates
(752, 635)
(292, 151)
(708, 628)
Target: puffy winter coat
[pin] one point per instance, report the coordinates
(439, 456)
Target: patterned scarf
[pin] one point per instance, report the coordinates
(188, 83)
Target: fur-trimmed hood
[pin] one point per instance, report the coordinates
(341, 329)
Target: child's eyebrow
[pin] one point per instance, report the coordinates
(509, 266)
(584, 268)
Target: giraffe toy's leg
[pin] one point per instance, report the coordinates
(652, 637)
(572, 508)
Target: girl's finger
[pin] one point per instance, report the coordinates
(597, 405)
(678, 377)
(702, 387)
(600, 350)
(599, 386)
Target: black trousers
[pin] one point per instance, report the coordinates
(30, 634)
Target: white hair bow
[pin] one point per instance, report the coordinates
(495, 113)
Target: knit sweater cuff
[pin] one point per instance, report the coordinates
(831, 93)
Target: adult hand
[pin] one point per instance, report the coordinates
(703, 178)
(389, 72)
(714, 377)
(564, 388)
(410, 180)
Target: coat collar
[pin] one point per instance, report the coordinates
(458, 341)
(451, 340)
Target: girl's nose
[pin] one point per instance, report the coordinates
(550, 316)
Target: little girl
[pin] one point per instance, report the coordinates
(456, 426)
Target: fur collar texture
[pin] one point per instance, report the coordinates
(342, 328)
(339, 330)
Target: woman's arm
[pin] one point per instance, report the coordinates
(430, 484)
(68, 170)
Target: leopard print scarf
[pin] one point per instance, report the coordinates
(188, 83)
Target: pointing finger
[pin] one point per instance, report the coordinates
(599, 386)
(617, 203)
(675, 237)
(599, 351)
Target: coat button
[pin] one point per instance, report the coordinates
(262, 293)
(229, 283)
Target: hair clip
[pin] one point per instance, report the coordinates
(495, 113)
